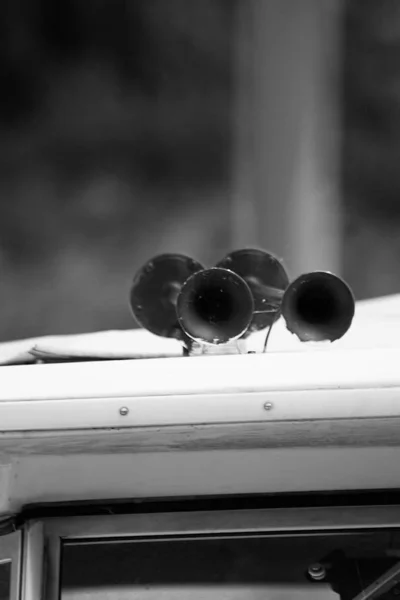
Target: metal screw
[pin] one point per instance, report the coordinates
(268, 406)
(123, 411)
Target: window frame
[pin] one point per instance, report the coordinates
(217, 524)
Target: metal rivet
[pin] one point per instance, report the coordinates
(268, 406)
(317, 572)
(124, 410)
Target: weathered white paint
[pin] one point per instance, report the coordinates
(6, 474)
(347, 369)
(104, 477)
(162, 411)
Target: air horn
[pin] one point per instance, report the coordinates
(215, 306)
(155, 291)
(267, 280)
(316, 306)
(174, 296)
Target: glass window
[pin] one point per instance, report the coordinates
(5, 579)
(272, 567)
(10, 566)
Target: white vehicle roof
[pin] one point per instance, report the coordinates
(299, 418)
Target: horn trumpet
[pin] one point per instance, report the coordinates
(155, 291)
(267, 279)
(215, 306)
(318, 306)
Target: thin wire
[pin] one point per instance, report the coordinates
(269, 331)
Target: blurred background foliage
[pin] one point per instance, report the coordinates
(371, 146)
(114, 146)
(116, 141)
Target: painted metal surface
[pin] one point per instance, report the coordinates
(288, 421)
(297, 371)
